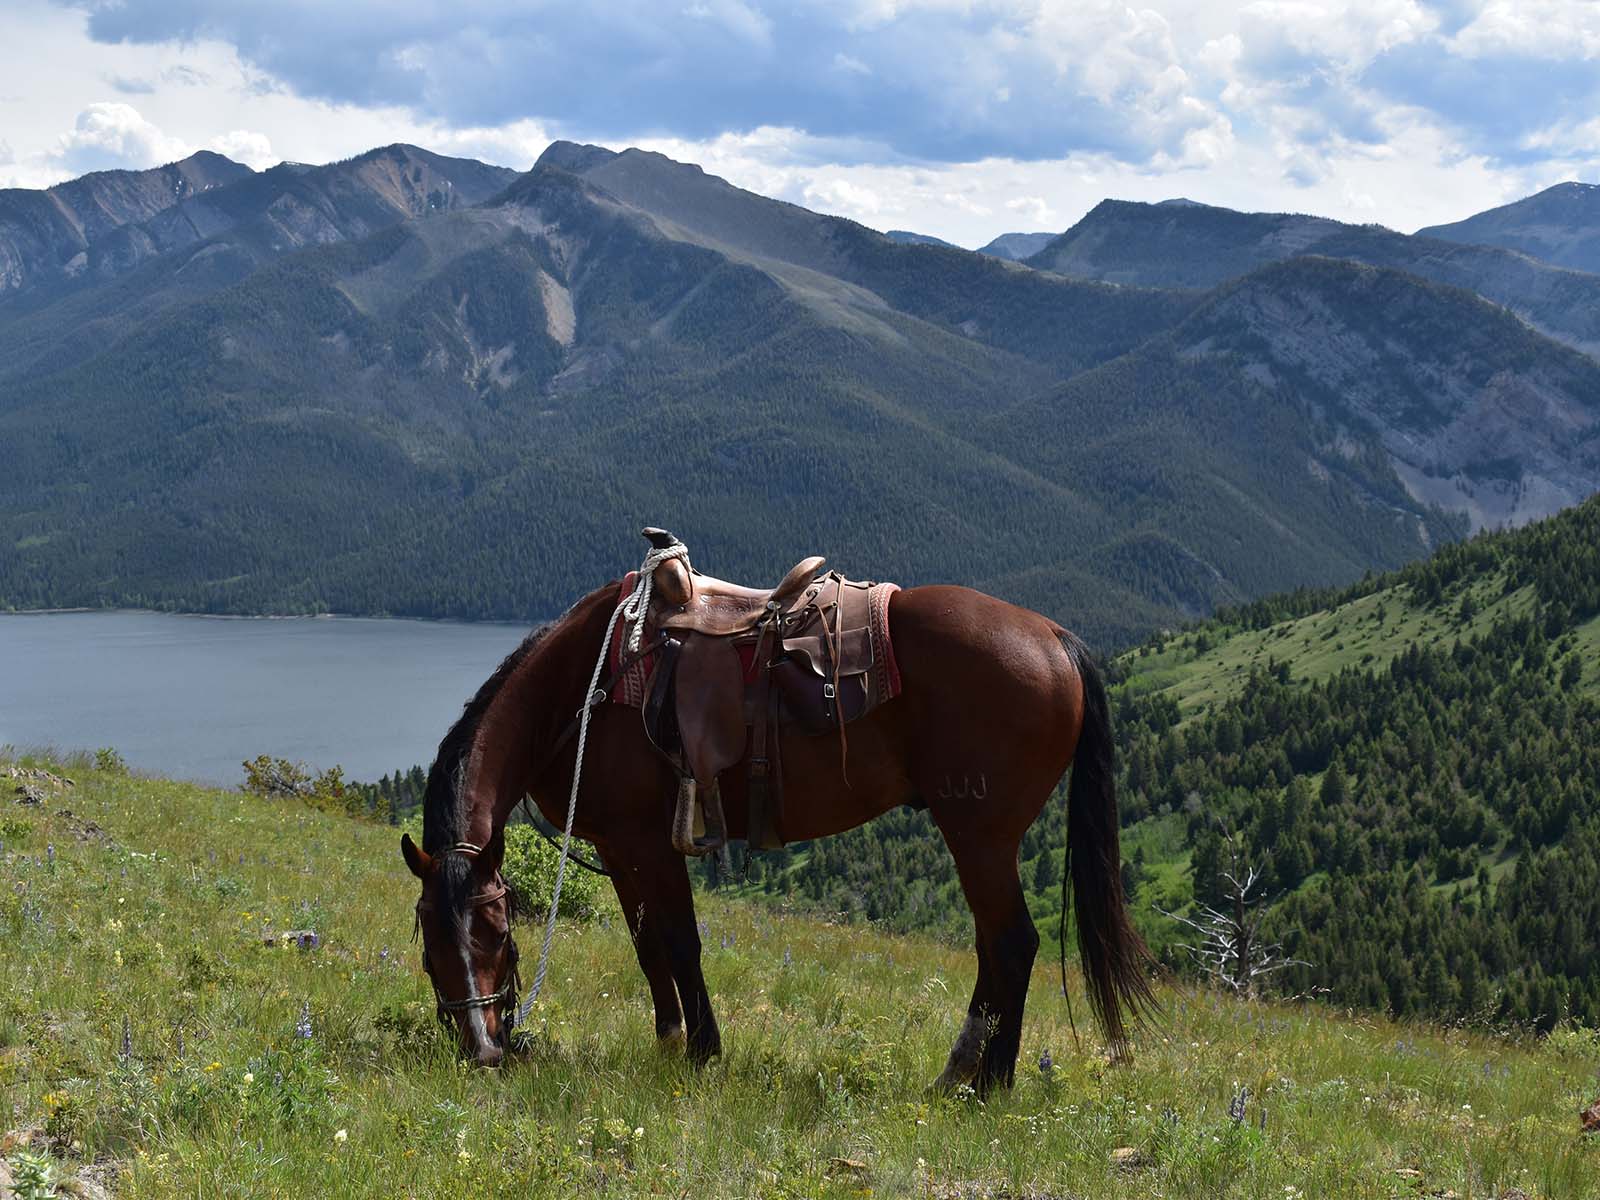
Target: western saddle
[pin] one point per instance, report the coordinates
(737, 665)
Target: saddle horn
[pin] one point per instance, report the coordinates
(672, 581)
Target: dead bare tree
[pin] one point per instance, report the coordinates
(1230, 950)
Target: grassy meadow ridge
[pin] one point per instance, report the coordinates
(156, 1040)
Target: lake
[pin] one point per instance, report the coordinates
(191, 697)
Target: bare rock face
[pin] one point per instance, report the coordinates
(46, 234)
(1471, 419)
(104, 225)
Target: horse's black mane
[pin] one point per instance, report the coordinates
(443, 817)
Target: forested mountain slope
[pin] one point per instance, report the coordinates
(1414, 762)
(1560, 225)
(368, 394)
(906, 237)
(1184, 244)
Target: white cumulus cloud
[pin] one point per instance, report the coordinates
(246, 146)
(110, 135)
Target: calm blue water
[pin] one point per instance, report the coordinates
(192, 697)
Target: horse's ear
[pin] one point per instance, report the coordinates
(416, 857)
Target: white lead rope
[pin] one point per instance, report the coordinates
(632, 610)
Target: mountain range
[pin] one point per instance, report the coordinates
(412, 384)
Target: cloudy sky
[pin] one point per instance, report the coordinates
(959, 118)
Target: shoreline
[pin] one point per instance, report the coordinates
(325, 616)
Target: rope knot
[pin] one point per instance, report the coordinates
(637, 605)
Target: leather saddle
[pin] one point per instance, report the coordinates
(740, 667)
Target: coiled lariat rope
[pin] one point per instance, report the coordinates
(632, 611)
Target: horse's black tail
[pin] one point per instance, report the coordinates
(1116, 962)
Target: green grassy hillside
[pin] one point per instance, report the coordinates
(152, 1039)
(1210, 664)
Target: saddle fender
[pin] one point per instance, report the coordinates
(710, 703)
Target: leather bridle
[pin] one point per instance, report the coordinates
(506, 998)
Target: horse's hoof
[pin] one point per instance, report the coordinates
(674, 1041)
(966, 1056)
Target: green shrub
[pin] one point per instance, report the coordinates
(280, 778)
(33, 1175)
(530, 869)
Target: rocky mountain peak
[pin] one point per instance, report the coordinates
(574, 156)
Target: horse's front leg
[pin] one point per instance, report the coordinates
(651, 948)
(662, 877)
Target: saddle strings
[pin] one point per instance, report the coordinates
(632, 610)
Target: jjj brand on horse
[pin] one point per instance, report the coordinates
(708, 711)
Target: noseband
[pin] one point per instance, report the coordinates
(506, 998)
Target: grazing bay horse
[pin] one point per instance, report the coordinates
(995, 702)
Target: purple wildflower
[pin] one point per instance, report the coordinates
(302, 1027)
(788, 957)
(308, 940)
(127, 1039)
(1046, 1063)
(1236, 1108)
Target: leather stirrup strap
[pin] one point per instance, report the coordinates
(773, 837)
(836, 650)
(760, 767)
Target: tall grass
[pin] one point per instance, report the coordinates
(144, 908)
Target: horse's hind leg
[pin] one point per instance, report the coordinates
(986, 1050)
(651, 948)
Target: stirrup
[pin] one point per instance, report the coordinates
(713, 829)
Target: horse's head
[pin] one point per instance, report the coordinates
(464, 916)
